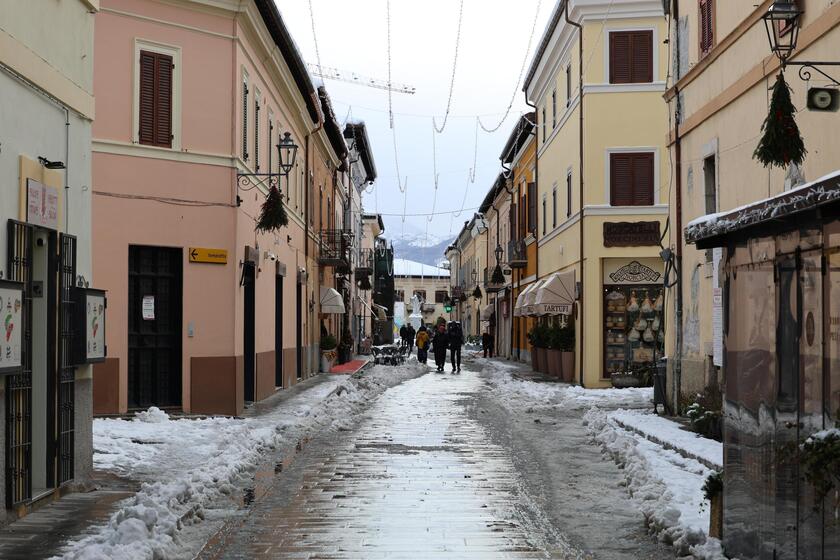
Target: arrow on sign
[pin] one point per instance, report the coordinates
(194, 254)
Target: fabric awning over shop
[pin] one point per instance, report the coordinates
(380, 311)
(528, 308)
(520, 300)
(487, 312)
(556, 296)
(331, 302)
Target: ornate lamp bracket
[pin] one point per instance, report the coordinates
(805, 68)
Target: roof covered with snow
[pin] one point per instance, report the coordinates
(405, 267)
(809, 196)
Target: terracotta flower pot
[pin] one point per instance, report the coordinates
(567, 366)
(554, 365)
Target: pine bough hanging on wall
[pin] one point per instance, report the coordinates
(273, 213)
(781, 143)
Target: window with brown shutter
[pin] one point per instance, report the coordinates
(532, 208)
(706, 21)
(245, 120)
(155, 99)
(631, 179)
(513, 229)
(631, 57)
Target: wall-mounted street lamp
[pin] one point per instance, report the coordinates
(498, 251)
(287, 153)
(782, 22)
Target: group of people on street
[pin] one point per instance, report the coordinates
(444, 337)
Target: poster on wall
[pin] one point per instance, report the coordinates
(717, 309)
(148, 308)
(11, 328)
(95, 325)
(41, 204)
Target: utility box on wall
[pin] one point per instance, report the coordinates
(88, 325)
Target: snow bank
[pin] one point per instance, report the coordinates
(516, 393)
(665, 485)
(187, 465)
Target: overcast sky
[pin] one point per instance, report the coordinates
(352, 36)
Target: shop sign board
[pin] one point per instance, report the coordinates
(633, 271)
(41, 204)
(11, 327)
(205, 255)
(631, 234)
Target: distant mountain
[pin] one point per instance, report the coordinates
(420, 249)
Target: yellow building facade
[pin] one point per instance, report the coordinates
(602, 175)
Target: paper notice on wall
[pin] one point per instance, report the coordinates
(148, 308)
(717, 309)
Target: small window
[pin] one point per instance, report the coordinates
(554, 208)
(399, 295)
(532, 208)
(709, 180)
(420, 294)
(245, 118)
(543, 123)
(568, 194)
(554, 109)
(270, 138)
(631, 179)
(568, 85)
(706, 25)
(544, 215)
(440, 296)
(631, 57)
(155, 107)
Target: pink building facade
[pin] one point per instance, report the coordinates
(205, 313)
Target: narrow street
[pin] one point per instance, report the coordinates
(420, 476)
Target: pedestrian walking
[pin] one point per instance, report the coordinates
(403, 335)
(487, 343)
(410, 338)
(422, 341)
(455, 335)
(440, 343)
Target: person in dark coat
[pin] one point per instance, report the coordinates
(440, 342)
(410, 334)
(456, 340)
(487, 343)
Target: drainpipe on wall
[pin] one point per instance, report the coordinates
(678, 307)
(580, 172)
(310, 183)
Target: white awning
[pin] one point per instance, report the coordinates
(557, 295)
(528, 307)
(380, 311)
(331, 302)
(487, 312)
(520, 300)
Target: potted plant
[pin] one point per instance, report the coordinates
(345, 347)
(566, 346)
(328, 353)
(552, 351)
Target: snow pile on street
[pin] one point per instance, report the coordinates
(516, 393)
(186, 465)
(666, 486)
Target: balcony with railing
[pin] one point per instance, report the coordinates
(458, 293)
(364, 266)
(335, 248)
(517, 257)
(428, 307)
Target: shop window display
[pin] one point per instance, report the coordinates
(633, 330)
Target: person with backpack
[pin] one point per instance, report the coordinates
(456, 340)
(440, 343)
(422, 342)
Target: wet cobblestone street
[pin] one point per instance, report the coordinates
(417, 478)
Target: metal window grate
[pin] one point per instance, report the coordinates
(67, 372)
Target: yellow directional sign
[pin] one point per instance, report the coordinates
(204, 255)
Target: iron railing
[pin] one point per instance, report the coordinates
(517, 257)
(335, 248)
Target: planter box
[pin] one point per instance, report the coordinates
(624, 381)
(567, 367)
(543, 360)
(554, 365)
(536, 358)
(326, 363)
(716, 516)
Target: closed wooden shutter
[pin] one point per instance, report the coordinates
(631, 57)
(155, 126)
(631, 179)
(532, 208)
(706, 26)
(514, 232)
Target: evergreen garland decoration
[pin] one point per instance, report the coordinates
(781, 143)
(498, 276)
(477, 293)
(273, 214)
(364, 283)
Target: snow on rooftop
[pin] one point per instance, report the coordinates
(405, 267)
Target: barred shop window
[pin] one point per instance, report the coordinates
(631, 57)
(155, 99)
(631, 179)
